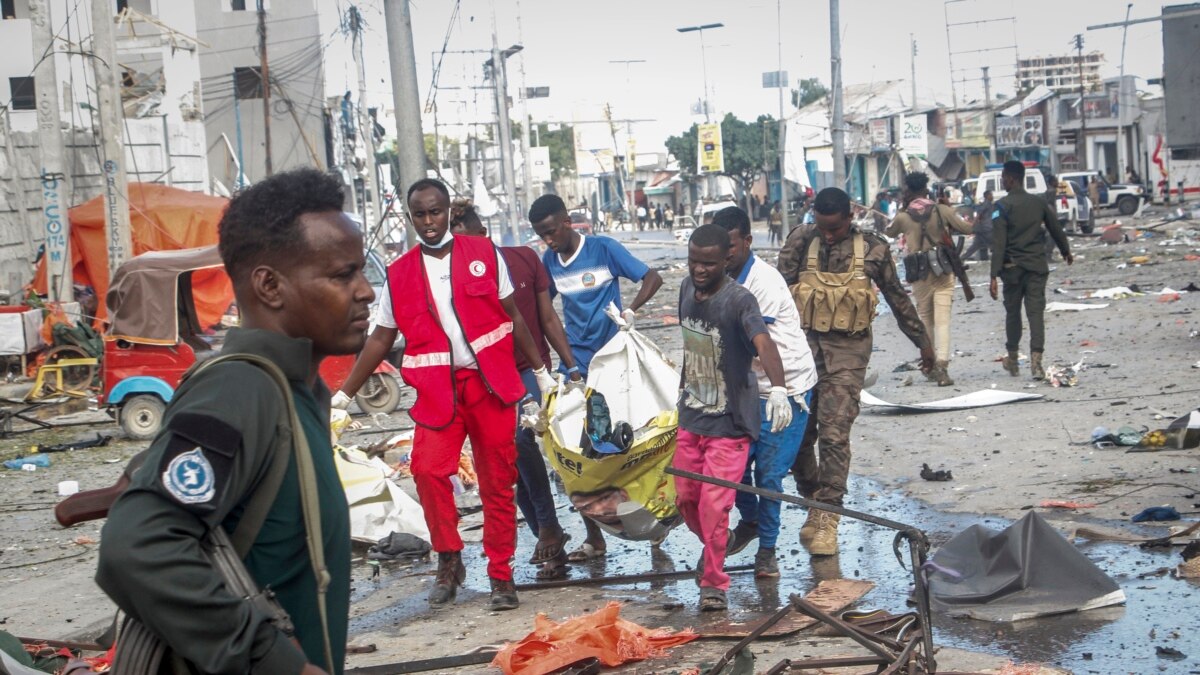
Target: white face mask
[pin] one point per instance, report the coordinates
(446, 238)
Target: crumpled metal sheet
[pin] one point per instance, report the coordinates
(976, 399)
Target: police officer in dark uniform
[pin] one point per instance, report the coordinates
(1019, 259)
(841, 355)
(297, 263)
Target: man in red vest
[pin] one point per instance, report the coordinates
(451, 298)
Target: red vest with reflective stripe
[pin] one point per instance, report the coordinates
(428, 365)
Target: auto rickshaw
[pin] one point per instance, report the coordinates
(154, 336)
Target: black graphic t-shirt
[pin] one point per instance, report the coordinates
(720, 392)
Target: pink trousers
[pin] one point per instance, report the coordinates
(704, 507)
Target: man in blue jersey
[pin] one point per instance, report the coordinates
(586, 272)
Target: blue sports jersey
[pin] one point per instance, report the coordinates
(587, 283)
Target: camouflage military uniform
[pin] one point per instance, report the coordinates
(841, 359)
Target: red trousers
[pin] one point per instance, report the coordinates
(491, 425)
(705, 507)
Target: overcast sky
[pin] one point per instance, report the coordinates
(568, 46)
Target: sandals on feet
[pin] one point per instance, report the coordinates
(553, 569)
(585, 553)
(545, 554)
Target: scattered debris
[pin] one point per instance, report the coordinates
(1064, 504)
(1157, 513)
(32, 461)
(1059, 375)
(398, 545)
(1169, 653)
(938, 476)
(100, 441)
(602, 635)
(1190, 567)
(1072, 307)
(1026, 571)
(977, 399)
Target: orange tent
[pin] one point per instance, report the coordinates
(164, 219)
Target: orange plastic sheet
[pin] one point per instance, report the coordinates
(602, 634)
(163, 219)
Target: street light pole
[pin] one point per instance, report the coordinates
(703, 59)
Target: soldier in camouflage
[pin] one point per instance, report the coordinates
(838, 249)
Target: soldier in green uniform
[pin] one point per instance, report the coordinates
(1019, 259)
(297, 263)
(830, 267)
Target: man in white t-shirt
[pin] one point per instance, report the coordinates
(452, 300)
(772, 455)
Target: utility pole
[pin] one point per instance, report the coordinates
(1082, 142)
(112, 117)
(991, 119)
(410, 143)
(526, 164)
(265, 73)
(837, 133)
(913, 61)
(781, 135)
(508, 174)
(365, 125)
(1122, 160)
(54, 175)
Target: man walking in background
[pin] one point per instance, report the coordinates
(1019, 260)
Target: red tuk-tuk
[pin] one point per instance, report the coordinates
(154, 336)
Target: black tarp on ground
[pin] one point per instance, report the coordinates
(1026, 571)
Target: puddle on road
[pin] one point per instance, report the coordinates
(1100, 641)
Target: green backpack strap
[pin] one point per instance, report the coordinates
(260, 502)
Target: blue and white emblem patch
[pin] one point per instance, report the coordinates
(189, 478)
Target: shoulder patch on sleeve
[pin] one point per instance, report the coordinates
(190, 478)
(198, 459)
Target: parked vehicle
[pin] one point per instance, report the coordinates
(1074, 208)
(706, 210)
(154, 337)
(580, 222)
(1035, 183)
(1127, 199)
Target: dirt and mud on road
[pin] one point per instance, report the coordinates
(1138, 355)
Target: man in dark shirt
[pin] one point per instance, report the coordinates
(531, 293)
(296, 262)
(1019, 259)
(982, 241)
(723, 330)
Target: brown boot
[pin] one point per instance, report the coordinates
(941, 374)
(504, 596)
(1035, 366)
(1011, 364)
(809, 528)
(825, 540)
(450, 575)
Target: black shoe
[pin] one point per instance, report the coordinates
(504, 596)
(765, 564)
(740, 537)
(450, 575)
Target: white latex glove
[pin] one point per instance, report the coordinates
(799, 399)
(779, 409)
(580, 384)
(533, 417)
(546, 382)
(629, 317)
(340, 400)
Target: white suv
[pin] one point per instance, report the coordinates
(1126, 198)
(1035, 184)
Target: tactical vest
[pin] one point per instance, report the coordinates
(835, 301)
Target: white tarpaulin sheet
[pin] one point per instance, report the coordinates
(976, 399)
(637, 380)
(378, 507)
(1072, 307)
